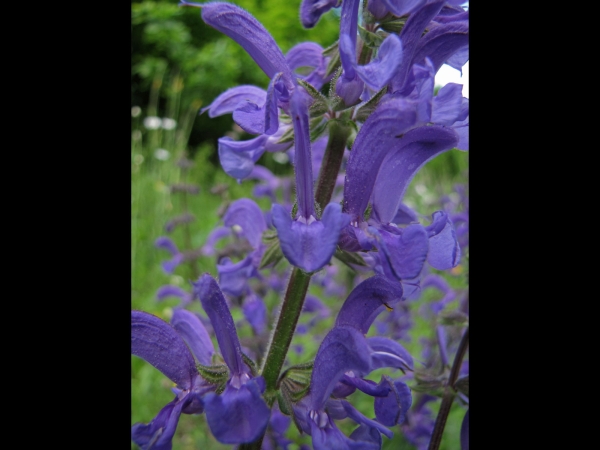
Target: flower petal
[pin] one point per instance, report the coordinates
(343, 349)
(376, 138)
(191, 329)
(386, 352)
(444, 250)
(358, 417)
(158, 434)
(157, 342)
(237, 415)
(402, 7)
(251, 117)
(216, 308)
(391, 410)
(403, 159)
(244, 29)
(410, 36)
(406, 250)
(380, 70)
(238, 157)
(367, 301)
(447, 104)
(367, 386)
(440, 43)
(228, 101)
(309, 246)
(312, 10)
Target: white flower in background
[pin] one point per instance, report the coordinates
(152, 122)
(281, 157)
(136, 111)
(162, 154)
(168, 124)
(136, 135)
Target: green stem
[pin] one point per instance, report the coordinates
(332, 161)
(440, 421)
(284, 330)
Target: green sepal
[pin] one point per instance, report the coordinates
(336, 103)
(317, 126)
(268, 236)
(462, 385)
(454, 317)
(272, 255)
(333, 52)
(294, 209)
(394, 25)
(332, 49)
(250, 364)
(288, 136)
(221, 387)
(294, 391)
(214, 374)
(367, 109)
(320, 105)
(349, 258)
(368, 211)
(285, 406)
(299, 372)
(371, 40)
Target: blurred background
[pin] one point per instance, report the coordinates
(178, 66)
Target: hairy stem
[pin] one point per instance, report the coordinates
(449, 393)
(332, 161)
(284, 330)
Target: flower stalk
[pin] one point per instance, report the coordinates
(449, 393)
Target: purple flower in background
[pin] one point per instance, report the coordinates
(238, 414)
(166, 243)
(246, 221)
(169, 290)
(163, 346)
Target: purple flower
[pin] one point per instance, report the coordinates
(377, 73)
(306, 242)
(161, 345)
(239, 414)
(439, 43)
(344, 358)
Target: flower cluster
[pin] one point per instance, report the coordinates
(365, 117)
